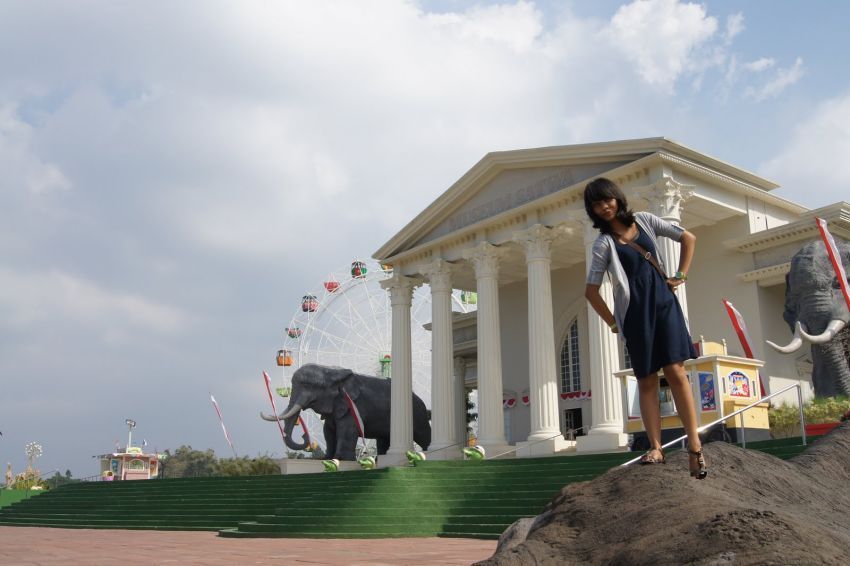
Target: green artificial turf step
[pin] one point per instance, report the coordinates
(473, 499)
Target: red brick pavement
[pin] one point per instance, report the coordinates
(33, 545)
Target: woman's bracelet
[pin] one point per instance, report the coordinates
(681, 275)
(613, 326)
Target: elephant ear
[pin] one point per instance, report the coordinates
(339, 379)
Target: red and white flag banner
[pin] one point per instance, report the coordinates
(740, 327)
(358, 421)
(274, 408)
(835, 258)
(223, 428)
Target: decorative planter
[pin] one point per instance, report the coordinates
(820, 429)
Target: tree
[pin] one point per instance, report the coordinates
(187, 462)
(58, 479)
(244, 466)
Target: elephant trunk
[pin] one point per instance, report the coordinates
(289, 418)
(831, 371)
(287, 429)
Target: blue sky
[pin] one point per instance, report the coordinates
(176, 176)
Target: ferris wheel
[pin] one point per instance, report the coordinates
(347, 323)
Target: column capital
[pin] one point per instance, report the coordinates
(460, 366)
(485, 259)
(401, 288)
(666, 196)
(537, 241)
(580, 218)
(439, 274)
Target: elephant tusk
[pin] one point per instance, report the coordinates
(792, 346)
(834, 327)
(296, 408)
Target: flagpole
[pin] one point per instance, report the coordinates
(834, 258)
(223, 428)
(274, 408)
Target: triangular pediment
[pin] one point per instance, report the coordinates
(512, 189)
(506, 180)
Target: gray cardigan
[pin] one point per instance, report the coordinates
(605, 258)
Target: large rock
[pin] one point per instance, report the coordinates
(752, 509)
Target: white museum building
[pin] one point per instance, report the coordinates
(514, 230)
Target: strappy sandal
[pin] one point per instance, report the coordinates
(701, 470)
(647, 459)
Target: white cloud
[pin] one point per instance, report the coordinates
(21, 166)
(760, 65)
(813, 166)
(734, 27)
(30, 299)
(46, 178)
(661, 37)
(278, 113)
(783, 78)
(517, 25)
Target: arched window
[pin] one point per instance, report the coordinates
(570, 360)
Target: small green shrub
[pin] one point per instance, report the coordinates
(29, 479)
(785, 419)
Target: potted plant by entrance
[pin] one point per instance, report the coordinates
(826, 414)
(821, 416)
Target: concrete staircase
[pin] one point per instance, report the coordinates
(435, 498)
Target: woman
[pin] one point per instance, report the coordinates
(646, 310)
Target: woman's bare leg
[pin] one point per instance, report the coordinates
(650, 411)
(681, 389)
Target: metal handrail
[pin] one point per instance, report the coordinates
(461, 443)
(514, 449)
(571, 433)
(738, 412)
(96, 477)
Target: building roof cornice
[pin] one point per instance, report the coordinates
(836, 215)
(718, 177)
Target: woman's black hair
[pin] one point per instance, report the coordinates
(603, 189)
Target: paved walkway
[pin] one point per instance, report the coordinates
(33, 545)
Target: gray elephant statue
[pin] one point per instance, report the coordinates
(320, 388)
(816, 311)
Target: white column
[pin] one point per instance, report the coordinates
(460, 400)
(545, 436)
(606, 432)
(491, 427)
(400, 288)
(444, 445)
(665, 201)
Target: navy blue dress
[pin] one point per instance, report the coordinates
(655, 330)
